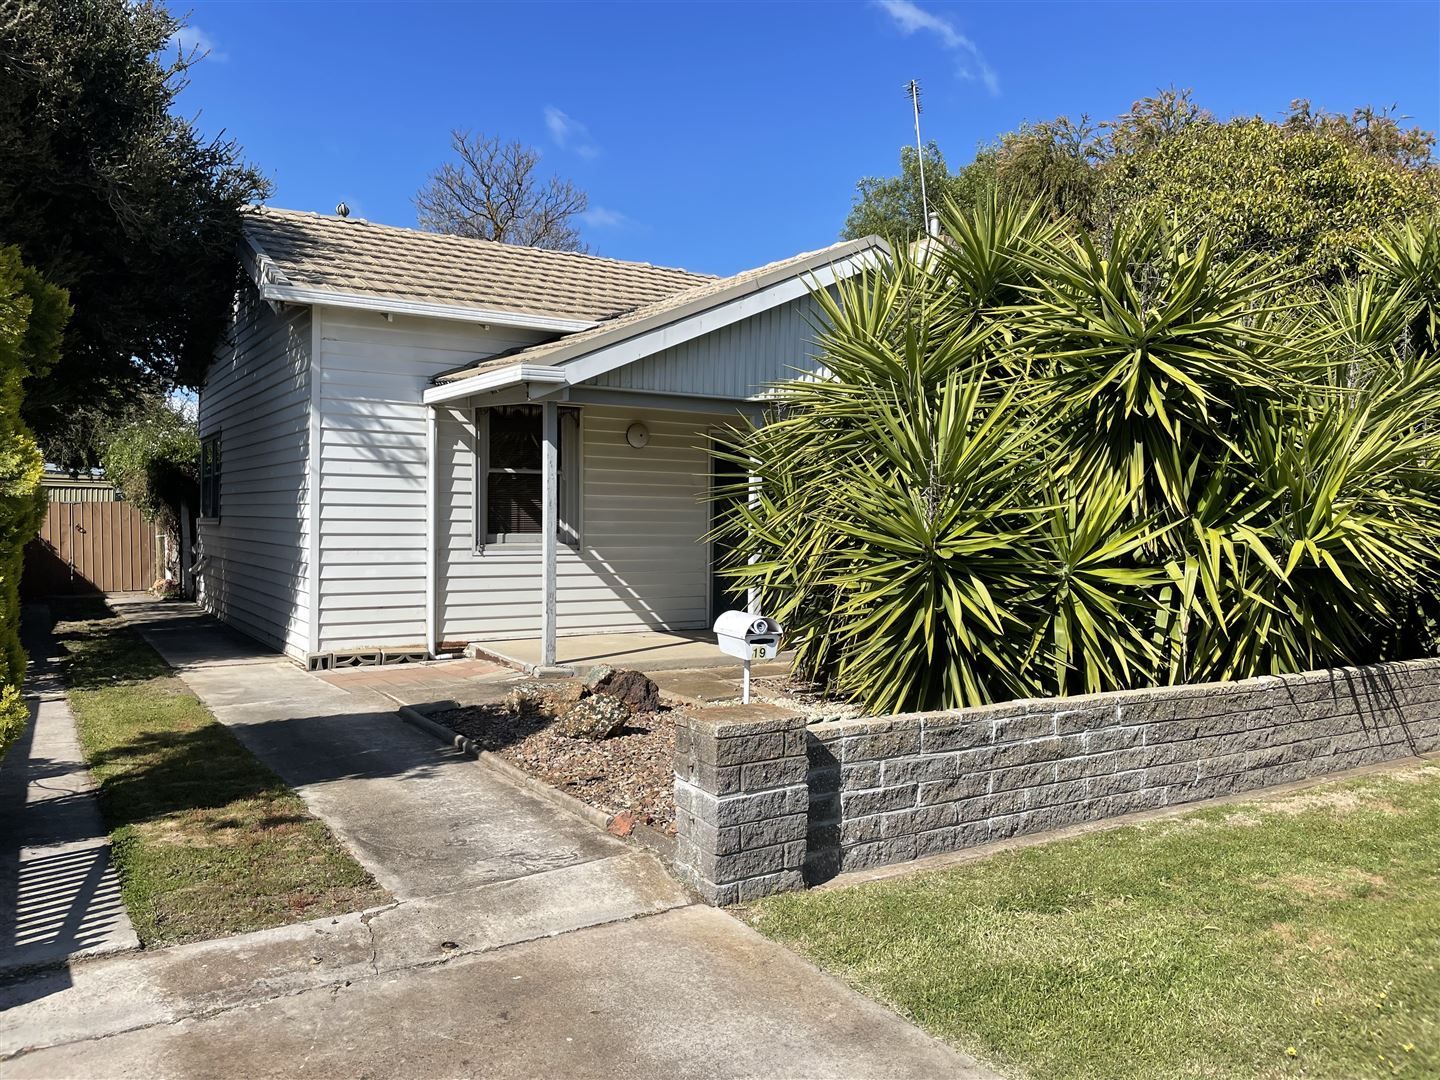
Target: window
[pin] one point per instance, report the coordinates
(210, 476)
(508, 476)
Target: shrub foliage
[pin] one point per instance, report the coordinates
(32, 321)
(153, 457)
(1043, 464)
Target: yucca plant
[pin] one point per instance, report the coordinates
(1150, 345)
(1304, 564)
(1091, 608)
(890, 535)
(1032, 465)
(1406, 257)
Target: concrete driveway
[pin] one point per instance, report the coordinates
(522, 942)
(419, 816)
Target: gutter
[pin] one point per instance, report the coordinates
(291, 294)
(498, 379)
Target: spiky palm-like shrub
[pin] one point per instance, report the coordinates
(1039, 466)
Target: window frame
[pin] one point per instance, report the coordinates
(210, 473)
(570, 482)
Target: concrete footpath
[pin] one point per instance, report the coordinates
(521, 942)
(690, 993)
(59, 896)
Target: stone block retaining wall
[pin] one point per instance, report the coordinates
(765, 803)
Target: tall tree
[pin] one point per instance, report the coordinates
(115, 197)
(890, 205)
(491, 191)
(1311, 196)
(1312, 188)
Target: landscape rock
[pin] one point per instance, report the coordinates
(638, 691)
(595, 717)
(550, 699)
(597, 675)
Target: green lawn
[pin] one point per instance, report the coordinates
(1298, 936)
(207, 841)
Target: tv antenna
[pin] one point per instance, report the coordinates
(912, 91)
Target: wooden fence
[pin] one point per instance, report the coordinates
(91, 547)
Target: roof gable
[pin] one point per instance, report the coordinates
(665, 323)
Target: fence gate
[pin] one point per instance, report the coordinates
(91, 547)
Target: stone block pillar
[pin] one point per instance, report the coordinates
(740, 801)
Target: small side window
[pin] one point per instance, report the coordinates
(210, 476)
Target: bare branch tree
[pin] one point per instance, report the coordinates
(491, 192)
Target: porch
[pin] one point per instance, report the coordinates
(570, 533)
(647, 651)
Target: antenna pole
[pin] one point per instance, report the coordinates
(912, 88)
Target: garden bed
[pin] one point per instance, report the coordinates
(632, 770)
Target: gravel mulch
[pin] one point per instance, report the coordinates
(633, 770)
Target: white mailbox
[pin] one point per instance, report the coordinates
(748, 637)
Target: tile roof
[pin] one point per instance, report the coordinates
(356, 257)
(679, 305)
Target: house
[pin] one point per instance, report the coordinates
(413, 442)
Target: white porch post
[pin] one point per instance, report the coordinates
(752, 594)
(549, 526)
(431, 488)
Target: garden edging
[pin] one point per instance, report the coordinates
(614, 824)
(769, 804)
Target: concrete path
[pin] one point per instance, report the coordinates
(522, 943)
(59, 896)
(690, 993)
(420, 817)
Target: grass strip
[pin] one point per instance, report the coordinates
(207, 840)
(1293, 936)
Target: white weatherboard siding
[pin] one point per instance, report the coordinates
(736, 361)
(641, 563)
(252, 565)
(372, 458)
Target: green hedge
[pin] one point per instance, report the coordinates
(32, 320)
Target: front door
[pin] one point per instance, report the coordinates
(723, 595)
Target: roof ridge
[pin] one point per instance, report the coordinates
(260, 209)
(753, 271)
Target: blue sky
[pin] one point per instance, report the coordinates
(721, 136)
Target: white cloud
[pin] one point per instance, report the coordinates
(910, 18)
(569, 133)
(602, 217)
(193, 39)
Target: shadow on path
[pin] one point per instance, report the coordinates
(59, 895)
